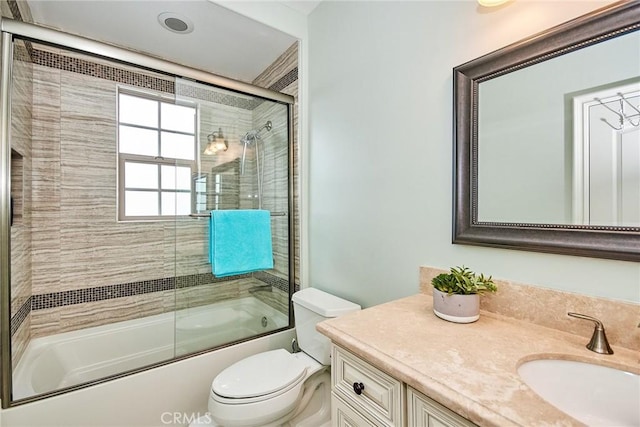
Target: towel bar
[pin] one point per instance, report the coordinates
(207, 215)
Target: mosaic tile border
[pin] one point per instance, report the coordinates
(101, 71)
(285, 80)
(21, 53)
(119, 75)
(100, 293)
(20, 316)
(205, 94)
(273, 280)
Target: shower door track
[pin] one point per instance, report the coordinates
(11, 28)
(37, 33)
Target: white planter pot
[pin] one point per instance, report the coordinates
(456, 308)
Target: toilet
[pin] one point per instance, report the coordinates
(277, 388)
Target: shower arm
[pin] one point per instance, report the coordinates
(268, 126)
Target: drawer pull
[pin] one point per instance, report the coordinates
(358, 388)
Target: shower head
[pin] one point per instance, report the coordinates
(251, 136)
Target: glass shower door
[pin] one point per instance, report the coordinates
(92, 283)
(242, 164)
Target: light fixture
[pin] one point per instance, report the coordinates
(491, 3)
(216, 142)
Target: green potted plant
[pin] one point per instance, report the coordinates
(456, 295)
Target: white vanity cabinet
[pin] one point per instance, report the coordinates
(364, 396)
(362, 390)
(425, 412)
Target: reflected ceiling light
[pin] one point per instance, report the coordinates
(491, 3)
(216, 142)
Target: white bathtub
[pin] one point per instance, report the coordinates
(71, 358)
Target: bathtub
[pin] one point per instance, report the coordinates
(71, 358)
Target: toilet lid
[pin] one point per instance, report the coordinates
(258, 375)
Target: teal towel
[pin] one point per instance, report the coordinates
(240, 242)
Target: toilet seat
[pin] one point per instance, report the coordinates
(259, 389)
(258, 377)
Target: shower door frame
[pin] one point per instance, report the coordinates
(30, 32)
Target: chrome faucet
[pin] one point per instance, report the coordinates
(598, 342)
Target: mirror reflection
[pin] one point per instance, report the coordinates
(559, 141)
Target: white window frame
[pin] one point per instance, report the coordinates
(155, 160)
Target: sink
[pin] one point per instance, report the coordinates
(593, 394)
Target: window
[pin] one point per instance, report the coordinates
(156, 157)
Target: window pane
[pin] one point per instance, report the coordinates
(140, 175)
(176, 178)
(168, 203)
(140, 203)
(176, 203)
(134, 140)
(138, 111)
(183, 178)
(177, 146)
(178, 117)
(201, 184)
(183, 203)
(168, 177)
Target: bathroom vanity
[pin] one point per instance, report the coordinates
(384, 401)
(397, 364)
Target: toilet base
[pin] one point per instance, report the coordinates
(316, 411)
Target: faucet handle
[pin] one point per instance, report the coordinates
(598, 342)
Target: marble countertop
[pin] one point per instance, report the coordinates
(469, 368)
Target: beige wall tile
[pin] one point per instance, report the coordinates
(77, 242)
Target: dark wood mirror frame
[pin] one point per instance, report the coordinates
(621, 243)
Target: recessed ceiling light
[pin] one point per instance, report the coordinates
(175, 23)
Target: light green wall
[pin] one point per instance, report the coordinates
(380, 148)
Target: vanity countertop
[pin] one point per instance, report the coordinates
(469, 368)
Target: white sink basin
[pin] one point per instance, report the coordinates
(593, 394)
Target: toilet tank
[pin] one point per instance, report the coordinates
(311, 306)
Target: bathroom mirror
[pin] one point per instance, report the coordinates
(547, 140)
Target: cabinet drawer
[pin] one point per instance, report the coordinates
(343, 415)
(382, 396)
(425, 412)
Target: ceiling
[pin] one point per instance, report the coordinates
(222, 42)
